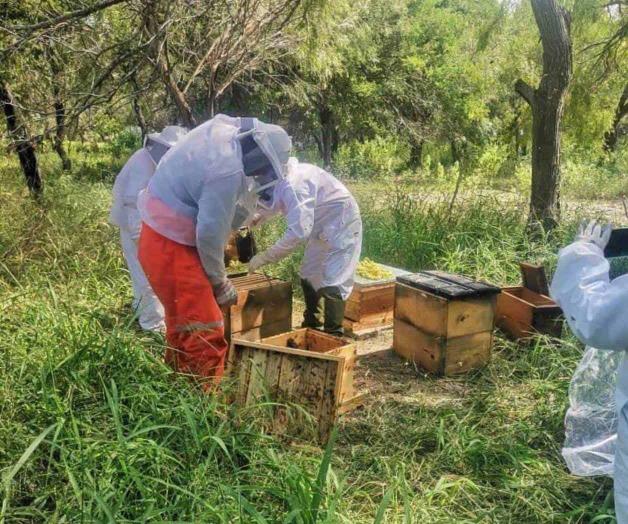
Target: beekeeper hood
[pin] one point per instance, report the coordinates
(265, 152)
(157, 144)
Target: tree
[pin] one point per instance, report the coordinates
(612, 135)
(32, 71)
(547, 103)
(21, 140)
(201, 49)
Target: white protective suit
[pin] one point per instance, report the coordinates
(321, 212)
(200, 192)
(596, 309)
(131, 180)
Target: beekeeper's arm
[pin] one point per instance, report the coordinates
(216, 209)
(594, 306)
(298, 203)
(262, 215)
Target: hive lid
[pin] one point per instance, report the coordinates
(448, 285)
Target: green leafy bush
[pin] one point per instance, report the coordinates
(379, 157)
(125, 141)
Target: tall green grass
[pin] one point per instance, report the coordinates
(95, 428)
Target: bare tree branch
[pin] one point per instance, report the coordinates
(526, 91)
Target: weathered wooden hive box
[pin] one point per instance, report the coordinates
(444, 322)
(522, 313)
(525, 310)
(371, 304)
(305, 368)
(264, 307)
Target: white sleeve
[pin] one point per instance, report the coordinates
(262, 215)
(216, 209)
(298, 203)
(595, 307)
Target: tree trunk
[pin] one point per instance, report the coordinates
(137, 109)
(59, 137)
(160, 62)
(547, 104)
(326, 120)
(59, 106)
(23, 145)
(416, 152)
(612, 135)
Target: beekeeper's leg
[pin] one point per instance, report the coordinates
(620, 474)
(334, 310)
(313, 312)
(339, 265)
(150, 311)
(194, 324)
(310, 282)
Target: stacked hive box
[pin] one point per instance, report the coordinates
(371, 304)
(444, 322)
(264, 307)
(304, 367)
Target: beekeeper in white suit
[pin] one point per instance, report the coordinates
(320, 212)
(596, 309)
(132, 179)
(203, 189)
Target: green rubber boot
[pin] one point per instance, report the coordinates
(334, 310)
(313, 311)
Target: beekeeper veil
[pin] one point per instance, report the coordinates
(158, 144)
(265, 152)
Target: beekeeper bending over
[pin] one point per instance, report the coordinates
(321, 213)
(596, 309)
(206, 187)
(133, 178)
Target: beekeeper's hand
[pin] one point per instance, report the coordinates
(225, 293)
(255, 220)
(595, 233)
(256, 262)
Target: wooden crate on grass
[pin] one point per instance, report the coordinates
(305, 368)
(371, 304)
(523, 311)
(444, 322)
(264, 307)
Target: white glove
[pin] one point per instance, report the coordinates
(256, 262)
(595, 233)
(225, 293)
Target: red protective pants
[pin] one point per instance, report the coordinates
(194, 324)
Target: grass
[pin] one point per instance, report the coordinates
(95, 428)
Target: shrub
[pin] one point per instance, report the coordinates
(379, 157)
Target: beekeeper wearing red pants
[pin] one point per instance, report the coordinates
(207, 186)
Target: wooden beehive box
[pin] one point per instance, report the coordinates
(307, 368)
(617, 252)
(444, 322)
(371, 304)
(264, 307)
(523, 311)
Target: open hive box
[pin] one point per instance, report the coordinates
(444, 322)
(305, 368)
(617, 252)
(371, 304)
(264, 307)
(523, 311)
